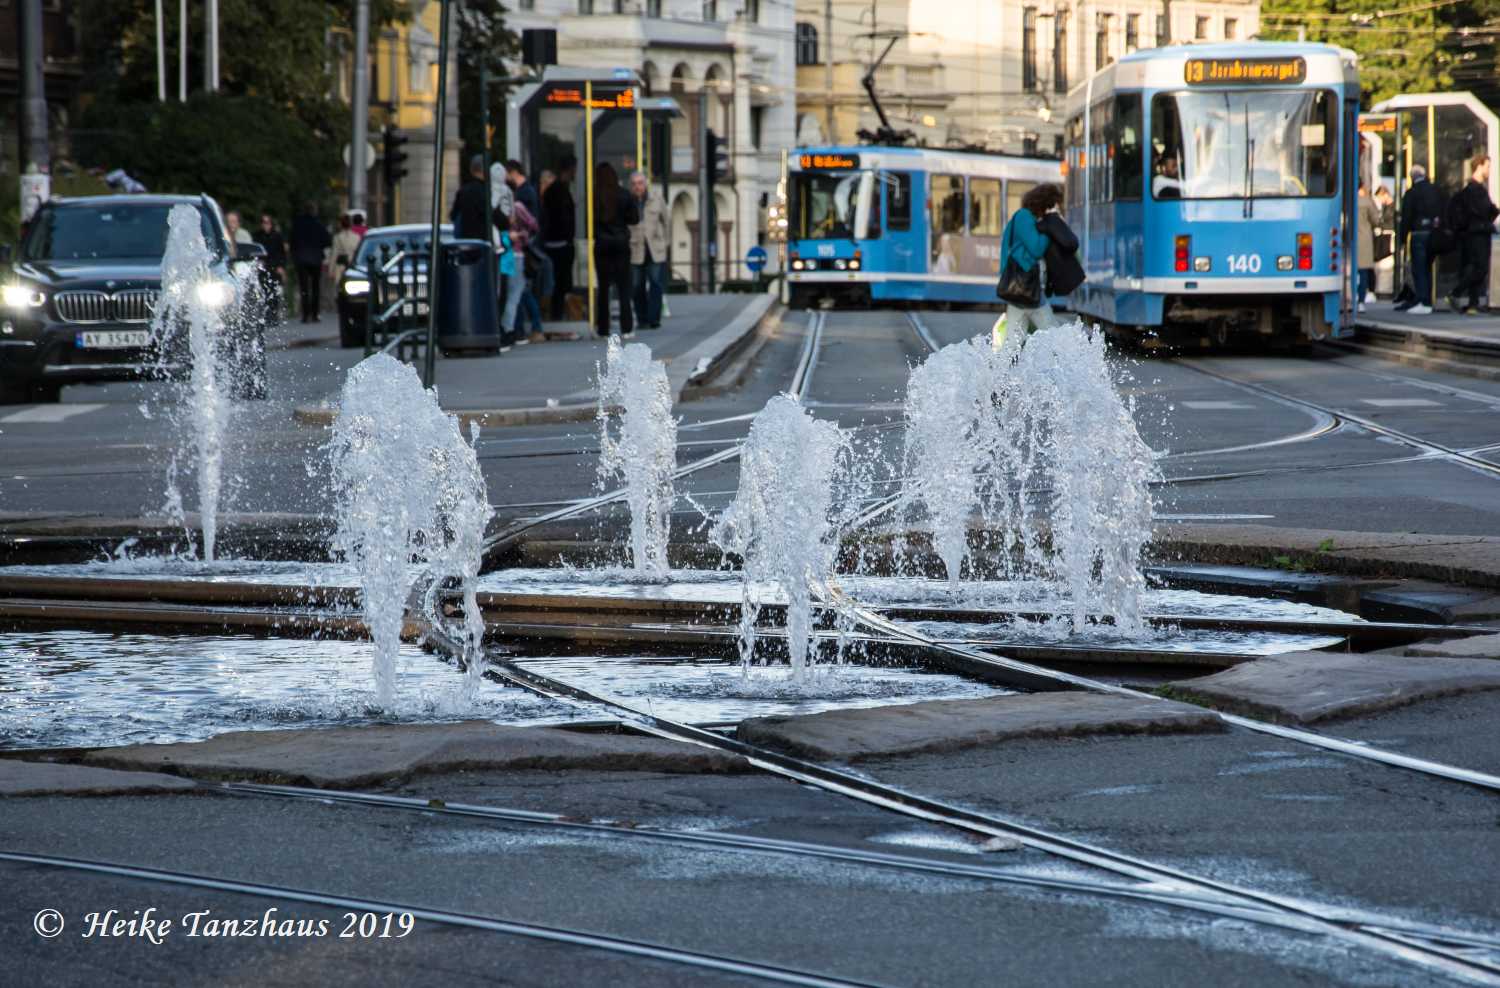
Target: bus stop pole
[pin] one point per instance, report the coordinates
(588, 155)
(640, 144)
(434, 257)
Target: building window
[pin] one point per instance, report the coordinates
(1060, 52)
(527, 4)
(752, 11)
(1101, 41)
(1200, 29)
(585, 6)
(1028, 49)
(807, 44)
(1057, 146)
(1164, 26)
(1231, 28)
(710, 10)
(619, 6)
(1028, 145)
(757, 125)
(653, 8)
(1132, 32)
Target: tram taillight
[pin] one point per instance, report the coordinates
(1181, 258)
(1304, 252)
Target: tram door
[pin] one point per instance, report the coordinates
(903, 242)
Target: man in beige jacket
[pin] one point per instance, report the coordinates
(648, 251)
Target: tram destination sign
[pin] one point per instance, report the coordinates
(1244, 71)
(840, 162)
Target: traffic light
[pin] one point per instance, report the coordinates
(716, 154)
(393, 159)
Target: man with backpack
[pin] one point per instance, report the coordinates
(1470, 219)
(1421, 215)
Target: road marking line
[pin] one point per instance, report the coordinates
(1401, 402)
(49, 413)
(1215, 406)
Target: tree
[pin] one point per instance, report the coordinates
(484, 42)
(1401, 50)
(245, 151)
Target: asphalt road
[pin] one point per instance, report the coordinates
(110, 449)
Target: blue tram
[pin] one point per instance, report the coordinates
(886, 224)
(1213, 189)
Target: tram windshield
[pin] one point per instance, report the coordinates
(823, 204)
(1239, 144)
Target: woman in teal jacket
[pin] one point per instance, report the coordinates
(1026, 245)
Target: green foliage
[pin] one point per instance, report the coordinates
(63, 184)
(1401, 49)
(245, 151)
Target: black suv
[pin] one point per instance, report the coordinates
(78, 303)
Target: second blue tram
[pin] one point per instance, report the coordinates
(888, 224)
(1213, 190)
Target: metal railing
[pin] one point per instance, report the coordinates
(398, 300)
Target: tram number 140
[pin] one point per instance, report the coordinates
(1244, 263)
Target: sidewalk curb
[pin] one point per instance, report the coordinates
(1434, 349)
(704, 360)
(700, 362)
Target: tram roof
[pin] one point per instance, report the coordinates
(937, 159)
(1162, 68)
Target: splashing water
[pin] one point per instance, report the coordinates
(1037, 440)
(411, 502)
(782, 522)
(638, 444)
(191, 305)
(952, 430)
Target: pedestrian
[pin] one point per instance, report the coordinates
(237, 233)
(559, 224)
(309, 243)
(357, 223)
(472, 213)
(1471, 218)
(539, 282)
(614, 215)
(273, 267)
(345, 246)
(526, 193)
(1371, 215)
(1023, 246)
(648, 251)
(517, 240)
(1421, 211)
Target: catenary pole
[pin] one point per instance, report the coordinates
(359, 134)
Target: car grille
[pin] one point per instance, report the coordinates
(133, 305)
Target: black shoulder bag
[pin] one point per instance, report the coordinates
(1017, 286)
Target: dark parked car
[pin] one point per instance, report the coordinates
(354, 286)
(78, 303)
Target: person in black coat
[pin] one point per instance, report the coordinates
(1473, 220)
(272, 267)
(1421, 211)
(559, 221)
(310, 241)
(1064, 273)
(471, 214)
(615, 213)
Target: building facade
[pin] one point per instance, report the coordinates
(992, 74)
(738, 53)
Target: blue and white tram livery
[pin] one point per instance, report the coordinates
(895, 224)
(1213, 189)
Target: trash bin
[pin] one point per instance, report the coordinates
(468, 317)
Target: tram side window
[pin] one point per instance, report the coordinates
(1101, 157)
(1126, 140)
(947, 220)
(984, 207)
(898, 200)
(1015, 190)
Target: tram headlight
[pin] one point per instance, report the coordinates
(1284, 262)
(1202, 263)
(840, 263)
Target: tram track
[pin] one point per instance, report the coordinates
(552, 934)
(1208, 895)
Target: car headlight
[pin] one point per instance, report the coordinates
(24, 297)
(214, 294)
(354, 287)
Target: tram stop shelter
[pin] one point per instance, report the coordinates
(592, 115)
(1442, 132)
